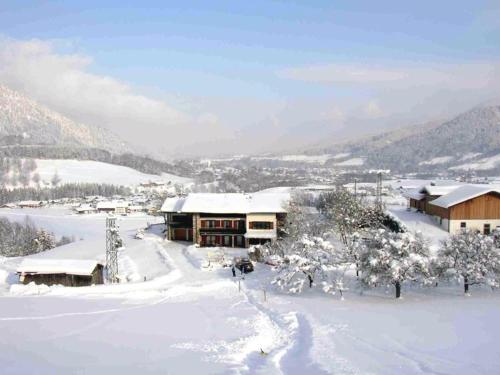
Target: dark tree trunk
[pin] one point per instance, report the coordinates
(398, 289)
(310, 281)
(466, 285)
(357, 266)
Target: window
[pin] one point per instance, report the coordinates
(239, 241)
(208, 240)
(463, 225)
(258, 241)
(261, 225)
(228, 224)
(486, 229)
(227, 240)
(208, 223)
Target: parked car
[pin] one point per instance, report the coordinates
(243, 264)
(139, 235)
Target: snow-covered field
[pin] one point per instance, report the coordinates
(97, 172)
(481, 164)
(190, 318)
(438, 160)
(354, 162)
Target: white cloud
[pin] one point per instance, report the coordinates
(63, 83)
(399, 94)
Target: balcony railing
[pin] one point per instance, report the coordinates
(223, 230)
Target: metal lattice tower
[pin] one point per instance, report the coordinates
(379, 191)
(111, 249)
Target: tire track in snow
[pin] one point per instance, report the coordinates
(297, 358)
(291, 353)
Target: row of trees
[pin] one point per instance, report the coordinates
(351, 234)
(24, 238)
(73, 190)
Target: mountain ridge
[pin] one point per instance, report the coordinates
(25, 121)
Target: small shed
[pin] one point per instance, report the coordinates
(30, 204)
(67, 272)
(106, 206)
(85, 209)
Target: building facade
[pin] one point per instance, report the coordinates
(65, 272)
(475, 207)
(230, 220)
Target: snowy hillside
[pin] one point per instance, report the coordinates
(96, 172)
(473, 132)
(471, 136)
(24, 121)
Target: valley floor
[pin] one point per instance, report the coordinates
(188, 317)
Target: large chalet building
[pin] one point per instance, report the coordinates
(230, 220)
(459, 206)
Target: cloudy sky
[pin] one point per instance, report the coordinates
(212, 77)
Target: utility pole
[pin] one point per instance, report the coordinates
(355, 187)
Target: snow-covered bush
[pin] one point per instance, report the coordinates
(472, 258)
(44, 240)
(394, 258)
(308, 258)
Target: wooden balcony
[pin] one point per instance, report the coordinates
(222, 230)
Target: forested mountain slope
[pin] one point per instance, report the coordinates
(24, 121)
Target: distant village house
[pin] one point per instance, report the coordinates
(30, 204)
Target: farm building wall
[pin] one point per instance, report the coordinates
(440, 212)
(479, 225)
(486, 206)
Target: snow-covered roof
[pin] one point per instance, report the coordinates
(413, 194)
(85, 207)
(172, 204)
(439, 190)
(112, 205)
(30, 203)
(268, 202)
(104, 205)
(54, 266)
(464, 193)
(235, 203)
